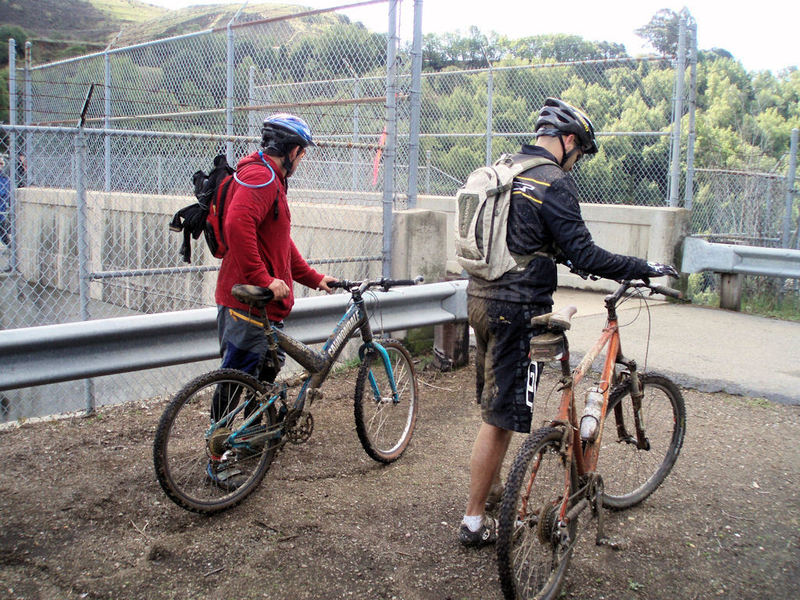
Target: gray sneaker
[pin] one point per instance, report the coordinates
(486, 534)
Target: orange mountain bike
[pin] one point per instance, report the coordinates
(634, 421)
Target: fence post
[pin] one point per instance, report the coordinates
(489, 118)
(12, 149)
(790, 176)
(416, 100)
(28, 109)
(677, 112)
(252, 125)
(391, 137)
(356, 114)
(83, 248)
(689, 191)
(107, 123)
(428, 172)
(230, 58)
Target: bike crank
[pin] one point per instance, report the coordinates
(299, 426)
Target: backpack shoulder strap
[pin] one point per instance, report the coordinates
(520, 166)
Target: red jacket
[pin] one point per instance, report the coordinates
(258, 231)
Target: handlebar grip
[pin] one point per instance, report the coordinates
(660, 289)
(342, 284)
(387, 283)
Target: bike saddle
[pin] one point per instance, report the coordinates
(556, 321)
(254, 295)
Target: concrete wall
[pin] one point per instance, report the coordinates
(129, 231)
(652, 233)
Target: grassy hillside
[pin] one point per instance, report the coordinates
(65, 28)
(197, 18)
(77, 20)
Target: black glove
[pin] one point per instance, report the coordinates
(192, 221)
(659, 270)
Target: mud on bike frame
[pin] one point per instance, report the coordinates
(319, 363)
(586, 459)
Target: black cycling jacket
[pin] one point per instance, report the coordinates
(545, 217)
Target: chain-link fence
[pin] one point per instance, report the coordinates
(739, 207)
(470, 117)
(85, 218)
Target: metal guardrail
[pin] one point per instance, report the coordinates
(699, 255)
(56, 353)
(732, 262)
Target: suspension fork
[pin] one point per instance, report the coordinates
(383, 356)
(637, 393)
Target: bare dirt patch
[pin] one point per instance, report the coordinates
(83, 516)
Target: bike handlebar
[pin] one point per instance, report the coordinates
(655, 289)
(383, 282)
(666, 291)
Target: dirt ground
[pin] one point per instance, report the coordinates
(83, 515)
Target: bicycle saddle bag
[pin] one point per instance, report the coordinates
(547, 346)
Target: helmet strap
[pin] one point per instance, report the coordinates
(565, 156)
(563, 151)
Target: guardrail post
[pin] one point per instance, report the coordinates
(787, 215)
(451, 344)
(730, 291)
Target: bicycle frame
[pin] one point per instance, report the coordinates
(317, 363)
(587, 454)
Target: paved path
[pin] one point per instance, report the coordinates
(704, 348)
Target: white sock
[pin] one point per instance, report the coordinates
(472, 522)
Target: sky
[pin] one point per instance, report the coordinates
(762, 38)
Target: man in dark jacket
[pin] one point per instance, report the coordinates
(544, 221)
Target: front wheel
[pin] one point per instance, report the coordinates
(534, 545)
(205, 460)
(385, 419)
(633, 468)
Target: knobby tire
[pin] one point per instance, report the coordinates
(531, 558)
(385, 425)
(631, 474)
(182, 446)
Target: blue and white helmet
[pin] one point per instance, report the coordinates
(282, 128)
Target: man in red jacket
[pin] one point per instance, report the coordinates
(260, 250)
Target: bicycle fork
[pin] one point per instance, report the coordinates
(637, 393)
(387, 365)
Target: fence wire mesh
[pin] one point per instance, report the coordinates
(739, 207)
(91, 208)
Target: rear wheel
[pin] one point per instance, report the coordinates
(200, 465)
(533, 548)
(385, 421)
(631, 473)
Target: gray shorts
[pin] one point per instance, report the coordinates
(243, 343)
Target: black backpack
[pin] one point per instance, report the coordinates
(206, 215)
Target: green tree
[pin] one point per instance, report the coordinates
(662, 31)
